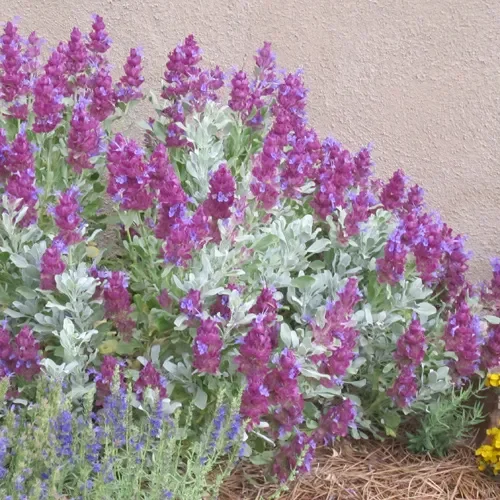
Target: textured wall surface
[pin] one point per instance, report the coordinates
(418, 78)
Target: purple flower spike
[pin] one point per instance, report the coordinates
(21, 183)
(411, 346)
(335, 422)
(150, 377)
(286, 459)
(393, 193)
(67, 218)
(12, 77)
(337, 329)
(129, 87)
(103, 95)
(207, 347)
(221, 196)
(99, 40)
(391, 266)
(191, 305)
(129, 177)
(51, 265)
(118, 302)
(404, 389)
(462, 336)
(76, 54)
(84, 138)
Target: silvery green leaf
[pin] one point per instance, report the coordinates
(286, 334)
(137, 404)
(69, 327)
(19, 261)
(494, 320)
(26, 292)
(149, 396)
(129, 218)
(53, 305)
(356, 383)
(319, 246)
(417, 290)
(425, 309)
(20, 215)
(443, 372)
(293, 299)
(144, 125)
(180, 322)
(394, 318)
(153, 99)
(317, 265)
(265, 242)
(13, 314)
(358, 362)
(359, 316)
(264, 437)
(169, 366)
(262, 458)
(313, 373)
(155, 354)
(93, 235)
(71, 366)
(388, 367)
(200, 398)
(19, 401)
(142, 360)
(159, 131)
(353, 271)
(345, 260)
(303, 281)
(295, 339)
(178, 283)
(327, 392)
(243, 238)
(214, 291)
(302, 350)
(79, 391)
(368, 314)
(169, 407)
(49, 365)
(438, 386)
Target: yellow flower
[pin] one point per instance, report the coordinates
(486, 451)
(493, 431)
(92, 251)
(108, 346)
(493, 380)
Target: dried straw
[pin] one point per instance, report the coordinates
(373, 471)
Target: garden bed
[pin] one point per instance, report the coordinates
(272, 295)
(375, 471)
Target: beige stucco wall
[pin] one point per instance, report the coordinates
(419, 78)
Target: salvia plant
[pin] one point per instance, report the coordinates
(249, 256)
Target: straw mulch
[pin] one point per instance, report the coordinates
(373, 471)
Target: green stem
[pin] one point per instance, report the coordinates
(374, 406)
